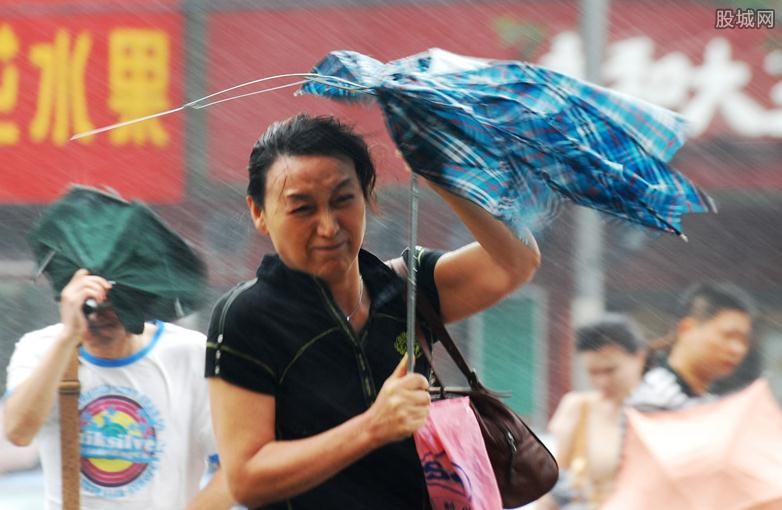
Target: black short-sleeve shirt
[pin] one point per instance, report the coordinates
(284, 335)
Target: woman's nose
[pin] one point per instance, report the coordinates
(328, 226)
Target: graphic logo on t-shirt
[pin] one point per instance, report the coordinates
(400, 344)
(120, 441)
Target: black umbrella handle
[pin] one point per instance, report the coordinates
(89, 307)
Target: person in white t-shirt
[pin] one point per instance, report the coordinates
(146, 433)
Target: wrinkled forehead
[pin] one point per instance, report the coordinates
(296, 175)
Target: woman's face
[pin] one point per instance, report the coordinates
(613, 371)
(314, 213)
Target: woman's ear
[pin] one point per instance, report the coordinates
(259, 220)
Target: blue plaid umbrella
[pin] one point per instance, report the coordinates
(516, 138)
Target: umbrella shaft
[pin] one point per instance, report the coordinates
(411, 272)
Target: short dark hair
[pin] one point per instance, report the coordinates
(306, 135)
(703, 301)
(611, 329)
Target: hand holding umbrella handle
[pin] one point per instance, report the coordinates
(82, 289)
(89, 307)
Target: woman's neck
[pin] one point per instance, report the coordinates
(352, 298)
(347, 289)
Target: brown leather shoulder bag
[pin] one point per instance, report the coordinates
(525, 469)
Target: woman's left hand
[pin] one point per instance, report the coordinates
(401, 406)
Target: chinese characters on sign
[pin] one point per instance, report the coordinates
(62, 105)
(9, 84)
(60, 76)
(138, 78)
(744, 18)
(716, 87)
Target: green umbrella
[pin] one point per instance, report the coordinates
(156, 275)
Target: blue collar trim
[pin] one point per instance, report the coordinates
(121, 362)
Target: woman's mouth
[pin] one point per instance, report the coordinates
(330, 247)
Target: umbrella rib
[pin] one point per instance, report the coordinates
(346, 85)
(45, 263)
(312, 76)
(91, 132)
(262, 91)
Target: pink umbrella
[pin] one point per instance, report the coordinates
(724, 455)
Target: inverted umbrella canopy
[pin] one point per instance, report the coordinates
(156, 274)
(726, 455)
(516, 138)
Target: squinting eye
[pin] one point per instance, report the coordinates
(344, 198)
(302, 210)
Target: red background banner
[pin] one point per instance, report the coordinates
(645, 44)
(671, 51)
(45, 54)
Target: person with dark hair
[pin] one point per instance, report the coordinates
(312, 403)
(145, 436)
(587, 424)
(709, 341)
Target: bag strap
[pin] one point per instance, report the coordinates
(70, 456)
(578, 463)
(434, 321)
(580, 433)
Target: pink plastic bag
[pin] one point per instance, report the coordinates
(453, 455)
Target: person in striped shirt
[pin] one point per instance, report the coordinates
(710, 339)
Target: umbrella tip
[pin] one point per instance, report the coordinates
(178, 308)
(44, 264)
(683, 237)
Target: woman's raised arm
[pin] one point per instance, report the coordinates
(476, 276)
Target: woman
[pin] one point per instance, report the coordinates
(312, 404)
(587, 424)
